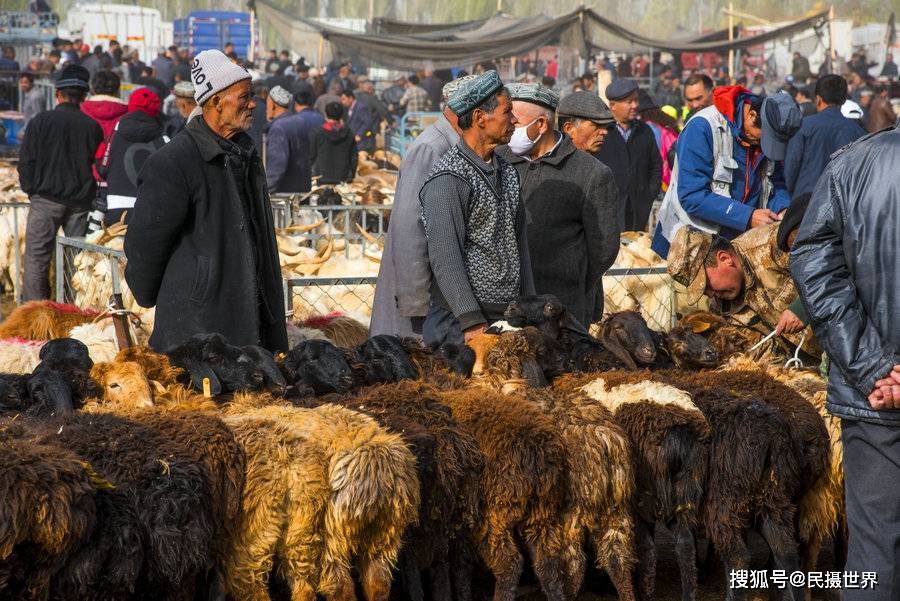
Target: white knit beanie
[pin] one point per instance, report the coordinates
(212, 72)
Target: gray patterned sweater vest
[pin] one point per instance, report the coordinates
(491, 248)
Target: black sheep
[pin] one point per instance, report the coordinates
(227, 367)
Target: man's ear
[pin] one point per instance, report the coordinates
(723, 256)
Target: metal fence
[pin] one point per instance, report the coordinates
(345, 222)
(87, 274)
(14, 216)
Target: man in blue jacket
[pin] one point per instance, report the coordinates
(288, 156)
(727, 176)
(360, 120)
(819, 136)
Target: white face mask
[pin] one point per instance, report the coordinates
(519, 143)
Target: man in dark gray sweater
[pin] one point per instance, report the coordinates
(570, 201)
(474, 220)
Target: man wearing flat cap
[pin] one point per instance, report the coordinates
(288, 154)
(403, 291)
(584, 117)
(747, 281)
(201, 243)
(55, 171)
(631, 152)
(727, 177)
(570, 204)
(474, 219)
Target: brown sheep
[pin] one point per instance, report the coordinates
(371, 493)
(44, 320)
(524, 483)
(482, 345)
(48, 511)
(601, 487)
(670, 449)
(340, 329)
(448, 463)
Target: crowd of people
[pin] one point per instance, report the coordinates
(773, 203)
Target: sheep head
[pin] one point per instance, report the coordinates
(482, 345)
(125, 385)
(626, 335)
(320, 365)
(690, 350)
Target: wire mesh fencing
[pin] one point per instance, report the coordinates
(648, 290)
(361, 229)
(322, 295)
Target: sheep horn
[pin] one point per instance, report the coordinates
(369, 237)
(302, 228)
(323, 258)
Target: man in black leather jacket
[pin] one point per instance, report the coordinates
(847, 269)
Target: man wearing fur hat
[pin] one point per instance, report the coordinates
(201, 244)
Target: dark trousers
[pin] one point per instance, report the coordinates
(440, 327)
(45, 217)
(871, 477)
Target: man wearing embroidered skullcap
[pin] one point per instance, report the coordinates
(403, 291)
(201, 243)
(474, 219)
(570, 203)
(631, 152)
(288, 154)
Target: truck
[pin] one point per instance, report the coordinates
(141, 28)
(212, 29)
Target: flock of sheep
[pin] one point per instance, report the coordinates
(354, 465)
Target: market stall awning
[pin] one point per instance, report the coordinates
(503, 36)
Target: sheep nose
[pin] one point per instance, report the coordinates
(711, 354)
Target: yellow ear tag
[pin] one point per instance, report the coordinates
(206, 388)
(280, 356)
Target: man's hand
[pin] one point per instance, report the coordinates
(358, 139)
(762, 217)
(789, 323)
(886, 394)
(474, 331)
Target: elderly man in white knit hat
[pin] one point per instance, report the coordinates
(201, 243)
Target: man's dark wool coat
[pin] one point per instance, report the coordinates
(203, 250)
(572, 223)
(637, 167)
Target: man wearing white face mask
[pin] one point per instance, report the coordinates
(570, 203)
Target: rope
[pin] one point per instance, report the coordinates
(795, 362)
(761, 342)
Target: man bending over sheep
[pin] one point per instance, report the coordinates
(747, 281)
(201, 244)
(474, 219)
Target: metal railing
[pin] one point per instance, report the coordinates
(321, 295)
(340, 221)
(67, 251)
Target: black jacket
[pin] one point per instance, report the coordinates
(847, 270)
(136, 136)
(333, 154)
(637, 168)
(57, 155)
(573, 235)
(202, 249)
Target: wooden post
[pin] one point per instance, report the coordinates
(499, 6)
(371, 12)
(320, 57)
(120, 322)
(832, 52)
(730, 40)
(251, 52)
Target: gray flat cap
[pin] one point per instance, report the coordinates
(620, 88)
(585, 105)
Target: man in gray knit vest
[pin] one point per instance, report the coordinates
(474, 220)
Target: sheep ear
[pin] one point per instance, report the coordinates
(198, 370)
(698, 327)
(532, 372)
(157, 387)
(613, 346)
(273, 375)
